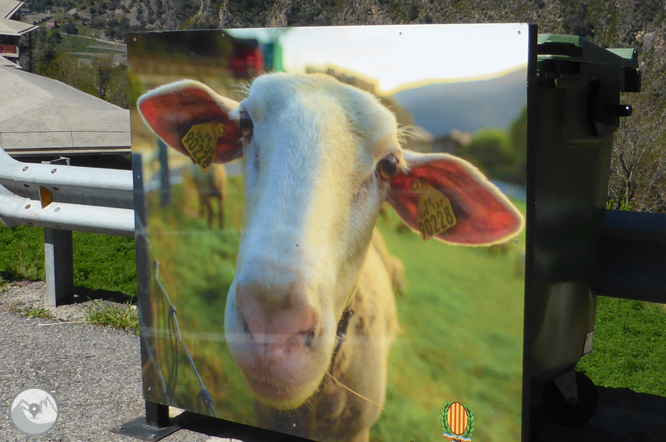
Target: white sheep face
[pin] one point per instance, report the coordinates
(312, 194)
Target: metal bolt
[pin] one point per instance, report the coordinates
(121, 428)
(149, 388)
(25, 168)
(153, 436)
(57, 209)
(27, 206)
(54, 170)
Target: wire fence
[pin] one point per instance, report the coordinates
(174, 342)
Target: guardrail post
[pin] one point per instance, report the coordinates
(59, 260)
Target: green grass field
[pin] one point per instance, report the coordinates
(87, 48)
(629, 346)
(100, 261)
(461, 340)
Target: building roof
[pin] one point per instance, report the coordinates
(39, 115)
(12, 27)
(9, 8)
(15, 28)
(5, 62)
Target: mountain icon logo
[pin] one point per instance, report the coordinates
(34, 411)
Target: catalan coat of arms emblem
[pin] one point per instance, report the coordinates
(457, 421)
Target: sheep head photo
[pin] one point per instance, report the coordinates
(363, 270)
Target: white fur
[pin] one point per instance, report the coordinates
(311, 196)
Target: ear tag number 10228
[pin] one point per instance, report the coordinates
(435, 214)
(201, 142)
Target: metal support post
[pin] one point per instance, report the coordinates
(153, 427)
(157, 415)
(165, 187)
(59, 260)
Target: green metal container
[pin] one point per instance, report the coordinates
(577, 97)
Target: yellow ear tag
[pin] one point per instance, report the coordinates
(201, 142)
(435, 214)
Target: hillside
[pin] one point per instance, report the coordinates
(470, 105)
(623, 23)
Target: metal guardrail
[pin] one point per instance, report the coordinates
(632, 257)
(66, 197)
(61, 199)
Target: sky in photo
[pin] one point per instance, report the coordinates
(400, 56)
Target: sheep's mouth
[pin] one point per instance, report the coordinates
(283, 397)
(288, 380)
(307, 338)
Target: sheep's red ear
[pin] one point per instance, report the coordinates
(447, 198)
(193, 119)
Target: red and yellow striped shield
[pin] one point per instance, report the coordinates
(457, 417)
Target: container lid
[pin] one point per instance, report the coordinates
(573, 48)
(568, 61)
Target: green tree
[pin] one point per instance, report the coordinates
(103, 69)
(53, 37)
(518, 136)
(70, 28)
(118, 87)
(491, 150)
(65, 68)
(46, 54)
(111, 28)
(98, 23)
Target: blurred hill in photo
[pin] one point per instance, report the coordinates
(467, 106)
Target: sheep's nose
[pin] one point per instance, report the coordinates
(280, 320)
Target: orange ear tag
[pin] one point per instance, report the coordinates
(201, 142)
(435, 214)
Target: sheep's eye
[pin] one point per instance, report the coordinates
(387, 167)
(246, 125)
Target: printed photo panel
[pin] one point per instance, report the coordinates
(335, 220)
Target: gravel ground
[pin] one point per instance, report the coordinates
(94, 373)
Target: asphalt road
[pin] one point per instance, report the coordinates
(94, 374)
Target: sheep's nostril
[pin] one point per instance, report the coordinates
(286, 325)
(309, 339)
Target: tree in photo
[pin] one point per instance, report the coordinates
(492, 151)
